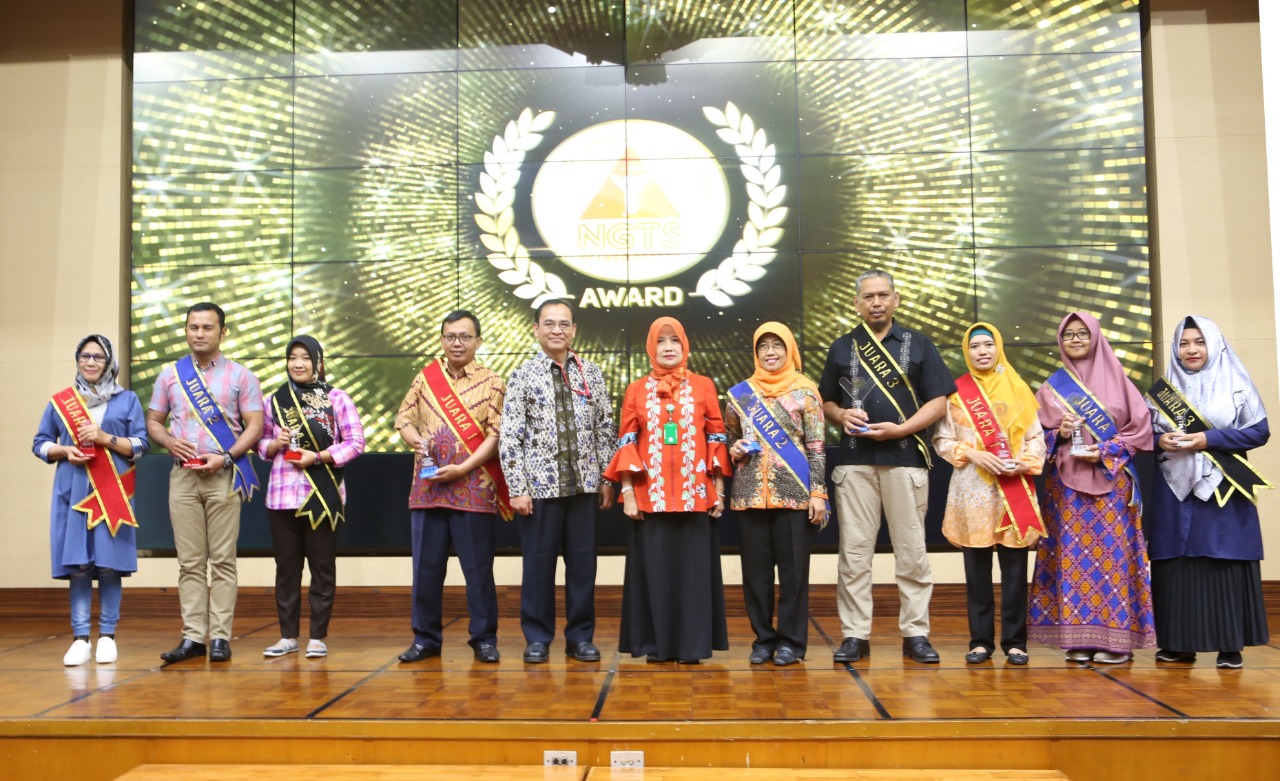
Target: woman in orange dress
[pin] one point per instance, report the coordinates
(671, 461)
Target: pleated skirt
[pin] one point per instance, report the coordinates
(673, 590)
(1204, 604)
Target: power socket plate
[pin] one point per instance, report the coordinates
(560, 758)
(633, 760)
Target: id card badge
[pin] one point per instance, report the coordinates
(670, 434)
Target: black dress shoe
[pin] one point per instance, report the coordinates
(852, 649)
(786, 655)
(536, 653)
(187, 649)
(419, 651)
(1184, 657)
(487, 653)
(979, 655)
(689, 661)
(653, 658)
(583, 652)
(220, 651)
(760, 655)
(919, 650)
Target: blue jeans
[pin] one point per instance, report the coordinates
(110, 589)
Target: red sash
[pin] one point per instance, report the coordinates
(466, 428)
(109, 498)
(1022, 512)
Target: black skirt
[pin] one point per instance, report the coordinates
(1204, 604)
(673, 591)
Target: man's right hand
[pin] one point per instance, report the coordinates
(522, 505)
(182, 449)
(853, 419)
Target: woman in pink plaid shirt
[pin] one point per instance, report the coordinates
(311, 431)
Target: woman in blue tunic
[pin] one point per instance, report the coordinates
(110, 418)
(1203, 535)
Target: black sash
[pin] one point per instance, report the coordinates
(890, 379)
(324, 503)
(1238, 473)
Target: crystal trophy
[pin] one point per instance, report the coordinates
(194, 461)
(749, 442)
(858, 389)
(89, 448)
(294, 451)
(429, 467)
(1005, 454)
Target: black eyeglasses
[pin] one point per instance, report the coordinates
(92, 358)
(458, 338)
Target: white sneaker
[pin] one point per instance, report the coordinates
(283, 646)
(78, 653)
(106, 653)
(316, 649)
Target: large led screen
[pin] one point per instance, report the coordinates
(355, 170)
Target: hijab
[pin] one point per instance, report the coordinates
(786, 377)
(1011, 398)
(669, 380)
(316, 352)
(1221, 391)
(98, 393)
(1102, 374)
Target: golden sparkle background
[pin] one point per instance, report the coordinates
(310, 164)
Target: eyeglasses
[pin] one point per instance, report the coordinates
(1068, 336)
(458, 338)
(551, 325)
(92, 358)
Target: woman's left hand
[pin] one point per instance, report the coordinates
(308, 458)
(1194, 441)
(817, 511)
(717, 507)
(1092, 455)
(90, 432)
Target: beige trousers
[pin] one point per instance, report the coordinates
(902, 492)
(206, 526)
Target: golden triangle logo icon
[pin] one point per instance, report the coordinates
(630, 192)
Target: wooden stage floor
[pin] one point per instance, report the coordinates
(361, 705)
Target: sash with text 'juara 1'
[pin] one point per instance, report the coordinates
(108, 499)
(324, 502)
(890, 379)
(1022, 511)
(244, 481)
(753, 412)
(1238, 473)
(1072, 393)
(466, 429)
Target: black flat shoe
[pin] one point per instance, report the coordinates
(187, 649)
(220, 650)
(487, 653)
(760, 655)
(417, 652)
(655, 659)
(1017, 657)
(1175, 656)
(978, 656)
(785, 657)
(689, 661)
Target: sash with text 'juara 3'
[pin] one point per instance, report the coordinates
(1072, 394)
(890, 379)
(1022, 511)
(753, 412)
(465, 428)
(1239, 474)
(324, 502)
(244, 481)
(108, 499)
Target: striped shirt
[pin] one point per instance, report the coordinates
(230, 384)
(287, 486)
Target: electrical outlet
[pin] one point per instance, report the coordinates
(626, 759)
(560, 758)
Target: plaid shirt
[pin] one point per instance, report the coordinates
(533, 458)
(288, 487)
(230, 384)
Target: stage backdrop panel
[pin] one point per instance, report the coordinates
(355, 169)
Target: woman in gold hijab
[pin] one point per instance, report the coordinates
(779, 491)
(993, 439)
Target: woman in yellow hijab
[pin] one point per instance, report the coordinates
(993, 439)
(779, 491)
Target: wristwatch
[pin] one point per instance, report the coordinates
(112, 443)
(227, 460)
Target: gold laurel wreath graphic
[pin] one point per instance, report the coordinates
(765, 212)
(751, 253)
(496, 200)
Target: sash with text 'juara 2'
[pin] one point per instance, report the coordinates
(1022, 511)
(891, 379)
(324, 502)
(752, 411)
(244, 481)
(466, 429)
(1071, 393)
(1239, 474)
(108, 499)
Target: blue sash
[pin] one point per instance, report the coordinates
(753, 412)
(244, 481)
(1071, 393)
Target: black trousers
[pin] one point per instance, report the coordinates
(781, 539)
(472, 536)
(293, 539)
(981, 597)
(562, 525)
